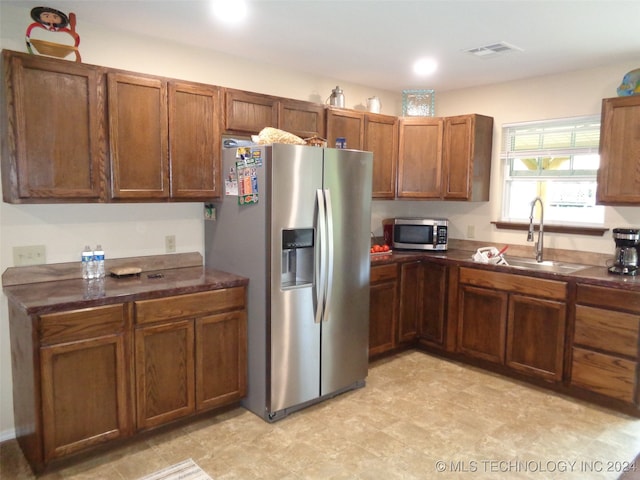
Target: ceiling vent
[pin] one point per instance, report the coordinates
(493, 50)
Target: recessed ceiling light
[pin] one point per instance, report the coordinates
(425, 66)
(229, 11)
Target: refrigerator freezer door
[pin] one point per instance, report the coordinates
(345, 331)
(294, 177)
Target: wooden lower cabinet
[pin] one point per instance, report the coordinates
(221, 359)
(482, 323)
(605, 342)
(408, 304)
(190, 354)
(513, 320)
(432, 324)
(82, 378)
(164, 372)
(535, 336)
(383, 308)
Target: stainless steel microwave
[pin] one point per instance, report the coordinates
(420, 233)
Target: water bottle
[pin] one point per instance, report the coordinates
(98, 258)
(87, 261)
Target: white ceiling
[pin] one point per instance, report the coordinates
(374, 43)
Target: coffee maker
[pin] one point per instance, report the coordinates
(626, 259)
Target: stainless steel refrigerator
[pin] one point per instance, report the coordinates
(296, 221)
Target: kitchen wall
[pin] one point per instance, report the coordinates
(139, 229)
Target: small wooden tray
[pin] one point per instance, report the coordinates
(125, 271)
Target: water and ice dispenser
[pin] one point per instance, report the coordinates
(297, 257)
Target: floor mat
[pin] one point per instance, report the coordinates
(187, 470)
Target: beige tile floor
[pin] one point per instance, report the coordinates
(416, 416)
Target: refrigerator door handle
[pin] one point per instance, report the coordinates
(320, 270)
(329, 256)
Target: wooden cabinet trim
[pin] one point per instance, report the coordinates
(189, 305)
(605, 374)
(383, 273)
(78, 324)
(607, 330)
(552, 289)
(609, 298)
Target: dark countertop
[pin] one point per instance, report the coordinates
(594, 275)
(46, 297)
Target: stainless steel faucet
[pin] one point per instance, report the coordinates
(539, 243)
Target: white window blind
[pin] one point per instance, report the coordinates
(556, 160)
(551, 138)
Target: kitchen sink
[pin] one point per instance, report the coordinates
(544, 266)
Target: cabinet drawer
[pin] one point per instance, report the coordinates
(510, 282)
(615, 332)
(78, 324)
(383, 273)
(190, 305)
(605, 374)
(610, 298)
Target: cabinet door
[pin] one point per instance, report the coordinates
(138, 137)
(420, 158)
(194, 141)
(535, 336)
(482, 323)
(84, 394)
(618, 182)
(410, 294)
(466, 157)
(432, 325)
(164, 360)
(221, 359)
(304, 119)
(248, 112)
(345, 123)
(54, 144)
(382, 309)
(381, 138)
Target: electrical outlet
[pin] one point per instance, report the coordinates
(29, 255)
(170, 243)
(471, 231)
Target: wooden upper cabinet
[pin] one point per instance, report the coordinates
(248, 113)
(381, 138)
(466, 157)
(445, 158)
(619, 172)
(345, 123)
(54, 146)
(138, 137)
(420, 158)
(194, 141)
(304, 119)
